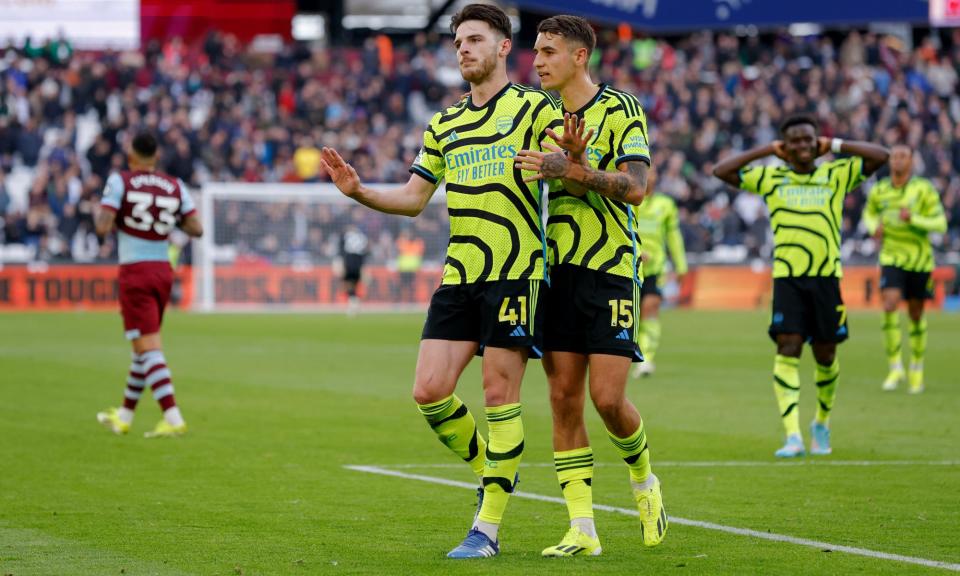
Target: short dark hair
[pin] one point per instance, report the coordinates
(145, 145)
(907, 146)
(797, 120)
(572, 28)
(492, 15)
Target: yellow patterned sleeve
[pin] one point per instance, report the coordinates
(632, 142)
(752, 177)
(675, 245)
(850, 173)
(931, 217)
(429, 163)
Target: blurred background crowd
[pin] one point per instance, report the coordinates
(228, 113)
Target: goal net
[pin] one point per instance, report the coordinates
(297, 246)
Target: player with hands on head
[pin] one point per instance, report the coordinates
(805, 200)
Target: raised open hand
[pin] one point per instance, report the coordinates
(573, 139)
(343, 175)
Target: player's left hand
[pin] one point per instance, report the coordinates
(573, 140)
(823, 145)
(905, 214)
(554, 164)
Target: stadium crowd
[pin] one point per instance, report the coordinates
(225, 112)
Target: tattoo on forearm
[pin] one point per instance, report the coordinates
(554, 165)
(616, 185)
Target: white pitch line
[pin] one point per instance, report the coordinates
(721, 463)
(682, 521)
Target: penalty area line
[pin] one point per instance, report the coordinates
(681, 521)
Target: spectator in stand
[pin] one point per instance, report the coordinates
(4, 207)
(99, 155)
(306, 160)
(29, 143)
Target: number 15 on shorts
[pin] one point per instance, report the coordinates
(621, 313)
(514, 313)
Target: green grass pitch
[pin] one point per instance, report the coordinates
(279, 404)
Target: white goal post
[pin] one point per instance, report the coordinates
(276, 247)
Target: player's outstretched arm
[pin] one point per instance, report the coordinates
(407, 200)
(874, 156)
(729, 168)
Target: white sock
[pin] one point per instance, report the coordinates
(915, 367)
(125, 415)
(897, 366)
(646, 483)
(585, 525)
(173, 417)
(487, 528)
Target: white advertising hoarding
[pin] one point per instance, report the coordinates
(87, 24)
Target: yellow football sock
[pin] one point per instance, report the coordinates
(633, 450)
(786, 385)
(575, 473)
(826, 378)
(456, 428)
(504, 452)
(892, 339)
(918, 341)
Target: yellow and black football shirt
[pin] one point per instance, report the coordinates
(496, 228)
(594, 231)
(906, 245)
(806, 212)
(659, 229)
